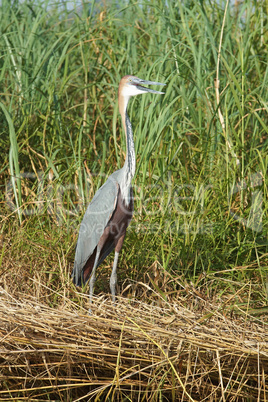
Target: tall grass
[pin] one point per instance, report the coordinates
(200, 186)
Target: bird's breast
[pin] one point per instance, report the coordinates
(122, 215)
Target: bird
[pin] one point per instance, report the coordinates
(108, 215)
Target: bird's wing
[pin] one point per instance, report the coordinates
(93, 224)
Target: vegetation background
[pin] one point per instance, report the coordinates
(201, 180)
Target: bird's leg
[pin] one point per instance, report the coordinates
(113, 279)
(93, 279)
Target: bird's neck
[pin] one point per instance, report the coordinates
(130, 162)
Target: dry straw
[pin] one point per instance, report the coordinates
(131, 351)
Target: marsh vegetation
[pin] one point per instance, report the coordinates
(198, 238)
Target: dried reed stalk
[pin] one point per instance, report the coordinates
(132, 349)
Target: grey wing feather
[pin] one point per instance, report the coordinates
(94, 222)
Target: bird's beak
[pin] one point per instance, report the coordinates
(141, 88)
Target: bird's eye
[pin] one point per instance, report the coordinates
(130, 80)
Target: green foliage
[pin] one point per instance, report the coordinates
(200, 186)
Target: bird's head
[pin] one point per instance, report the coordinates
(131, 86)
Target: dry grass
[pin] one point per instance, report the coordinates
(133, 351)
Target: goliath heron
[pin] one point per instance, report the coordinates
(107, 217)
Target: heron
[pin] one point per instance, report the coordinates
(108, 215)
